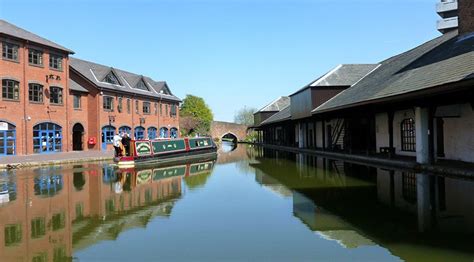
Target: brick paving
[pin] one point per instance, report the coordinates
(54, 158)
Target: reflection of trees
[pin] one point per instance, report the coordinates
(197, 181)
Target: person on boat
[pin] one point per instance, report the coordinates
(117, 142)
(126, 144)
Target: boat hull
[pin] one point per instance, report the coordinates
(130, 162)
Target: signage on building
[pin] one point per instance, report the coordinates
(3, 126)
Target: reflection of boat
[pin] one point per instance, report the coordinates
(143, 175)
(159, 151)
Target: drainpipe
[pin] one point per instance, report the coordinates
(25, 117)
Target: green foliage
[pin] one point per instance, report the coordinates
(245, 116)
(196, 115)
(251, 137)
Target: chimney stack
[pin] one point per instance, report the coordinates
(466, 16)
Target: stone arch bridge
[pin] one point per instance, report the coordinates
(220, 129)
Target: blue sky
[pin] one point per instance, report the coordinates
(233, 53)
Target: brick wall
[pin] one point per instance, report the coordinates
(466, 16)
(25, 114)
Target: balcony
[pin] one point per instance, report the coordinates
(447, 24)
(446, 6)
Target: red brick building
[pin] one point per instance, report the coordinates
(49, 105)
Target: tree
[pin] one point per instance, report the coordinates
(245, 116)
(195, 116)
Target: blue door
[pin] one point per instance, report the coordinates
(47, 138)
(7, 142)
(108, 133)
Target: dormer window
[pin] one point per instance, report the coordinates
(111, 78)
(141, 85)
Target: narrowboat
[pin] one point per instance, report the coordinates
(166, 151)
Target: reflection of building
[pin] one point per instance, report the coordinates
(327, 225)
(396, 210)
(56, 210)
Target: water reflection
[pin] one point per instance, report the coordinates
(359, 205)
(269, 204)
(48, 213)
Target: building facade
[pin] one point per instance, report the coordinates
(52, 103)
(416, 106)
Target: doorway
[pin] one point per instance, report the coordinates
(77, 137)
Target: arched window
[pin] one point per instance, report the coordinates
(152, 132)
(408, 135)
(7, 139)
(139, 133)
(47, 138)
(163, 132)
(125, 129)
(174, 132)
(108, 133)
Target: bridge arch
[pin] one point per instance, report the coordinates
(220, 129)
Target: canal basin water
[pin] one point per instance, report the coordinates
(249, 204)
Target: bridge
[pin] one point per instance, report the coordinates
(230, 131)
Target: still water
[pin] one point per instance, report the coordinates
(249, 204)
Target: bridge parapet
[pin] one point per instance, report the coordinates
(220, 129)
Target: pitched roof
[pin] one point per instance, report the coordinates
(342, 75)
(96, 73)
(276, 105)
(13, 30)
(73, 85)
(283, 115)
(446, 59)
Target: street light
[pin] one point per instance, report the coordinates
(111, 120)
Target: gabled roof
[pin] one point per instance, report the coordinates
(341, 76)
(73, 85)
(276, 105)
(13, 30)
(443, 60)
(95, 73)
(284, 114)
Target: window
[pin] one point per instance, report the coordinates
(173, 110)
(59, 221)
(161, 109)
(174, 132)
(119, 106)
(38, 228)
(7, 139)
(108, 103)
(152, 133)
(40, 257)
(141, 85)
(111, 78)
(10, 51)
(108, 133)
(10, 89)
(166, 110)
(139, 133)
(128, 105)
(12, 235)
(409, 191)
(156, 108)
(56, 62)
(125, 129)
(408, 135)
(146, 108)
(163, 132)
(76, 101)
(136, 107)
(55, 95)
(35, 57)
(35, 93)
